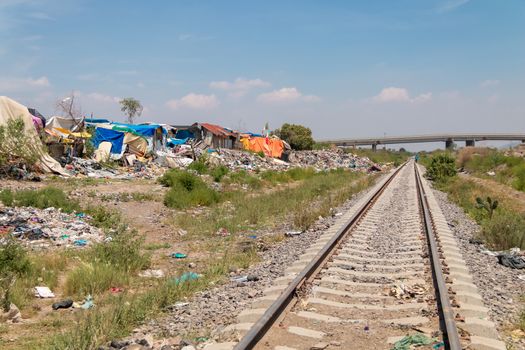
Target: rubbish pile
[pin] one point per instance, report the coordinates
(93, 169)
(320, 160)
(326, 160)
(47, 228)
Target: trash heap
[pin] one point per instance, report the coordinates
(327, 160)
(93, 169)
(42, 229)
(320, 160)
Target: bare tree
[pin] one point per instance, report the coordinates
(69, 107)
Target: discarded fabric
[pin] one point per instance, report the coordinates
(178, 255)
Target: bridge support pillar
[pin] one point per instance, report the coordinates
(374, 147)
(449, 144)
(470, 143)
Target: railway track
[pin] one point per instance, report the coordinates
(390, 270)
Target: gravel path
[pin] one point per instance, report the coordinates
(499, 286)
(211, 310)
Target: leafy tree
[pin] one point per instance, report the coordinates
(299, 137)
(441, 168)
(131, 107)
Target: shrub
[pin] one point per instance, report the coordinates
(44, 198)
(442, 167)
(16, 145)
(505, 230)
(13, 264)
(519, 173)
(219, 172)
(187, 190)
(199, 165)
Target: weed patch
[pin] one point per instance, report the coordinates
(43, 198)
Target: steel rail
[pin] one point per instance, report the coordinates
(451, 336)
(259, 329)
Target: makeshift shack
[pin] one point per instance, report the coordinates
(10, 109)
(215, 136)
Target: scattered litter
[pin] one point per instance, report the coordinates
(152, 273)
(403, 291)
(187, 276)
(181, 304)
(178, 255)
(521, 277)
(49, 228)
(491, 173)
(44, 292)
(438, 345)
(116, 290)
(12, 315)
(80, 242)
(293, 233)
(415, 339)
(222, 232)
(64, 304)
(88, 303)
(252, 236)
(246, 278)
(512, 261)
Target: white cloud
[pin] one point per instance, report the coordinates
(194, 101)
(489, 83)
(20, 84)
(451, 5)
(41, 16)
(396, 94)
(286, 94)
(239, 84)
(99, 97)
(493, 98)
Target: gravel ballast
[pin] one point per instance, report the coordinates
(499, 286)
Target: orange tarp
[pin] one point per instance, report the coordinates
(270, 147)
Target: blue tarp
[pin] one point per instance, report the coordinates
(184, 134)
(141, 130)
(115, 137)
(175, 142)
(96, 121)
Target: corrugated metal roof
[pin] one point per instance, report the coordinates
(217, 130)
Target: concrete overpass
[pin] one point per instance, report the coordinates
(448, 139)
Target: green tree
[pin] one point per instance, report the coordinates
(299, 137)
(131, 107)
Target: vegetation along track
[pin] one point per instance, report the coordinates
(391, 270)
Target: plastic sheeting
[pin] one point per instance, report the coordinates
(115, 137)
(270, 147)
(10, 109)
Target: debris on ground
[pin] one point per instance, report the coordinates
(416, 339)
(12, 315)
(47, 228)
(44, 292)
(404, 291)
(64, 304)
(511, 260)
(152, 273)
(185, 277)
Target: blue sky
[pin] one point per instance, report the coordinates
(343, 68)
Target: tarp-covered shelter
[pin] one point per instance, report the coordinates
(10, 109)
(64, 123)
(136, 139)
(271, 147)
